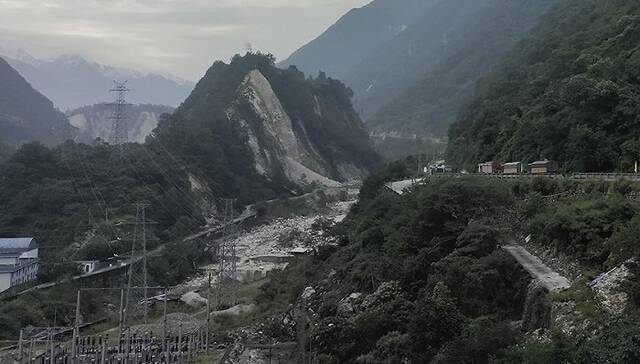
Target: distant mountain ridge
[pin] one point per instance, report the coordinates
(25, 114)
(356, 35)
(71, 81)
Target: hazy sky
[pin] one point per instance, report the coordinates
(182, 37)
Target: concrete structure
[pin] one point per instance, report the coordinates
(549, 279)
(543, 167)
(515, 168)
(18, 262)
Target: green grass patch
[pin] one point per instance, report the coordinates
(583, 296)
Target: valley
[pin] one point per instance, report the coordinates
(424, 181)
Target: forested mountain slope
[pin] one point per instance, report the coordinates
(465, 53)
(25, 114)
(569, 92)
(264, 127)
(422, 277)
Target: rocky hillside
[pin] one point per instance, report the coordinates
(266, 124)
(93, 122)
(568, 92)
(71, 82)
(25, 114)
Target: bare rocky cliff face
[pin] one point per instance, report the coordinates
(253, 130)
(93, 122)
(275, 145)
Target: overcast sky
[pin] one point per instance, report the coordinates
(181, 37)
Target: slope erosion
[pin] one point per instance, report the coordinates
(94, 121)
(264, 124)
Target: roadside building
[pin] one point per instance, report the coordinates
(493, 167)
(515, 168)
(543, 167)
(19, 262)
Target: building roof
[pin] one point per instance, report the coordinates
(17, 245)
(512, 164)
(546, 161)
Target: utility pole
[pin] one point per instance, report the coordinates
(20, 352)
(119, 117)
(121, 319)
(208, 314)
(143, 209)
(164, 326)
(76, 330)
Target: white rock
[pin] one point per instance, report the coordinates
(193, 299)
(308, 292)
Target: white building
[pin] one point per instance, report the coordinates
(18, 262)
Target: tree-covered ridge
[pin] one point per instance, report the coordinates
(25, 114)
(568, 92)
(78, 200)
(421, 278)
(426, 278)
(215, 145)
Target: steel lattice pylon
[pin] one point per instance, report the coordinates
(120, 134)
(137, 282)
(227, 260)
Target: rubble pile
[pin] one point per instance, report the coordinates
(609, 289)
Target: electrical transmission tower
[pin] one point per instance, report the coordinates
(227, 270)
(137, 289)
(120, 134)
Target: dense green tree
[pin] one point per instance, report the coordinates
(568, 91)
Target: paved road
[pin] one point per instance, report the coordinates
(550, 279)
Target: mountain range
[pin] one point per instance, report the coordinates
(410, 84)
(71, 81)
